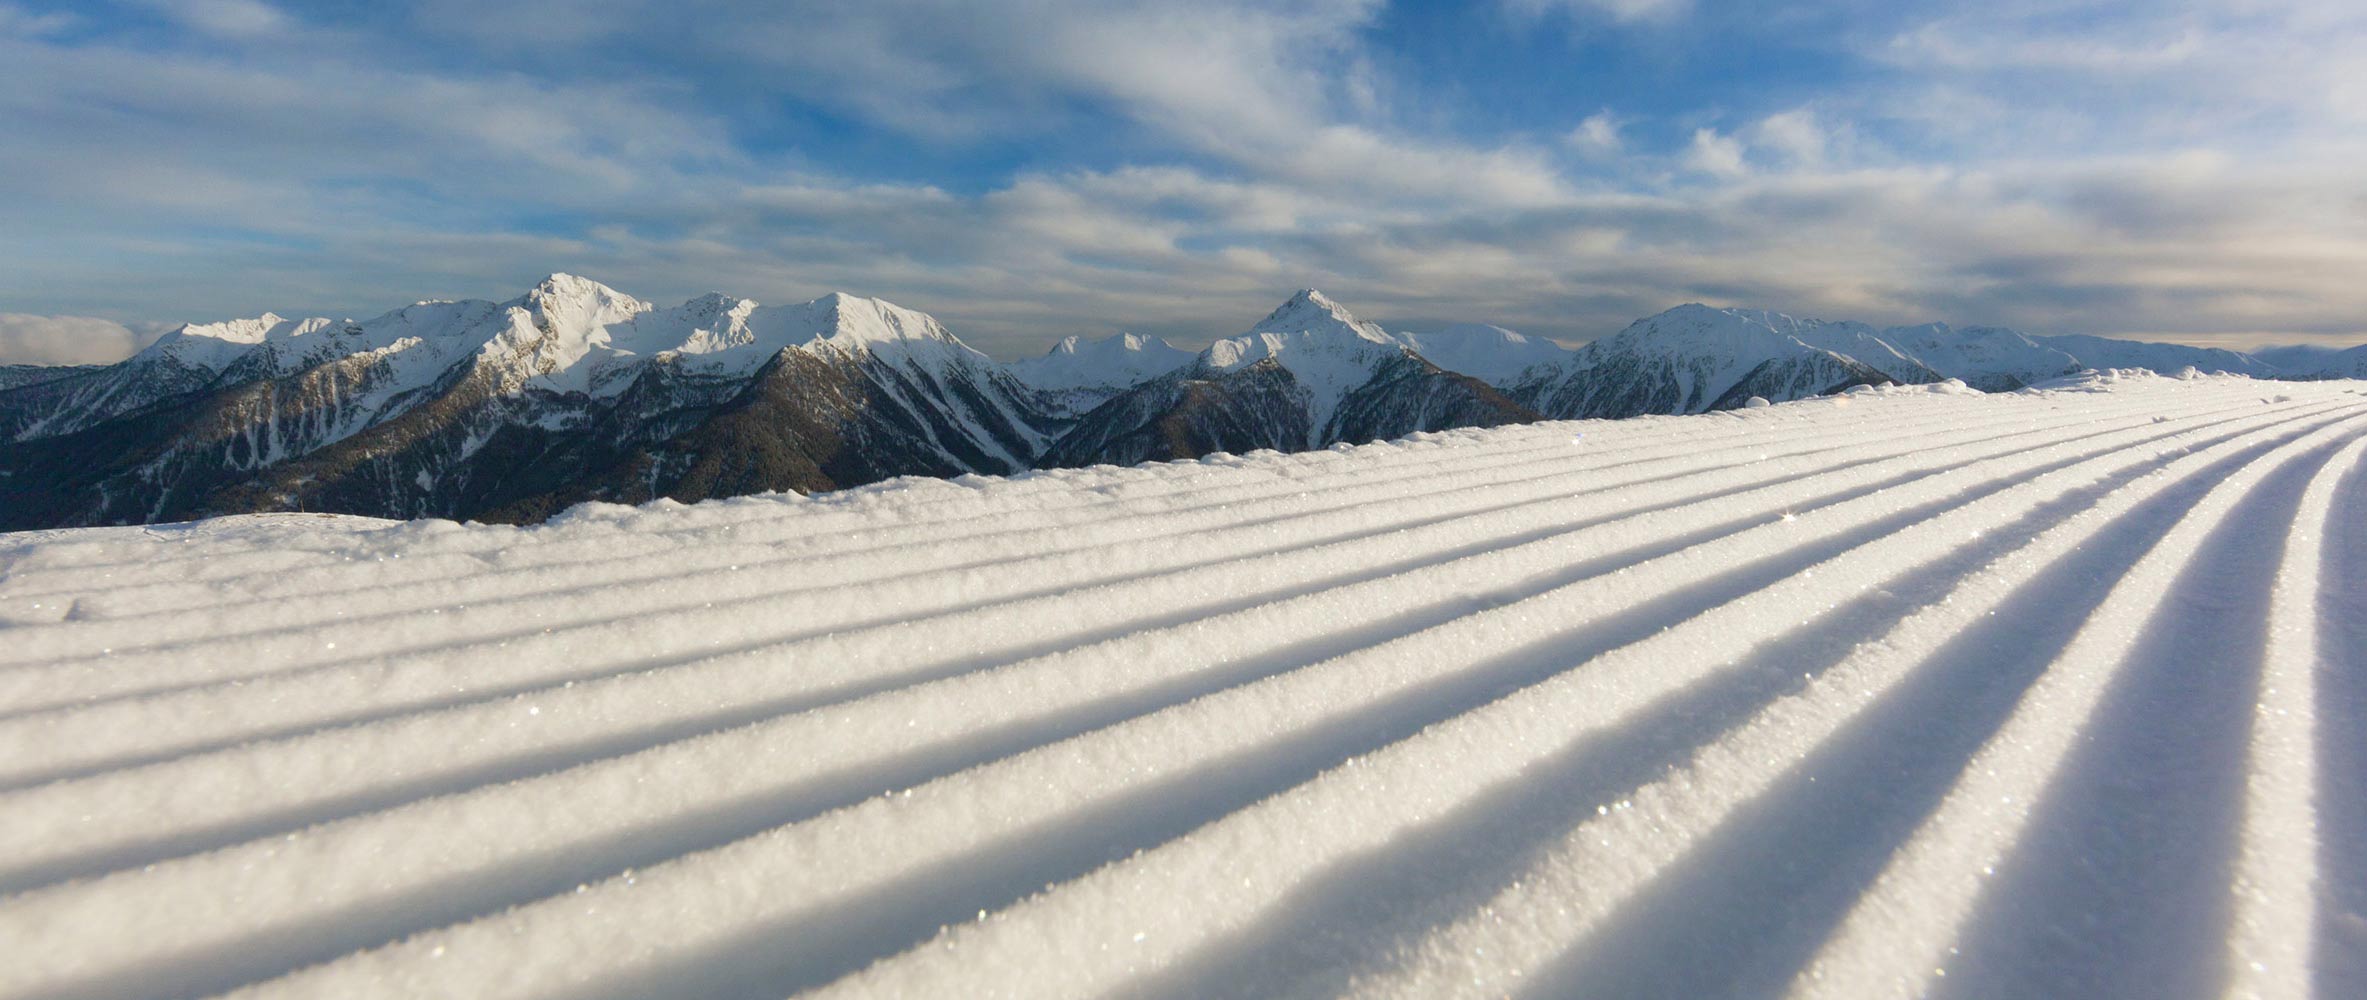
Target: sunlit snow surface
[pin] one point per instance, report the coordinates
(1903, 692)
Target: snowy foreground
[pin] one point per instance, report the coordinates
(2049, 693)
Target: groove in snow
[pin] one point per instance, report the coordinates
(1472, 713)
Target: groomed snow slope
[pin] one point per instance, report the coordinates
(1912, 690)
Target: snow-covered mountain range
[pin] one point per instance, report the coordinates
(1308, 375)
(512, 410)
(1078, 375)
(574, 391)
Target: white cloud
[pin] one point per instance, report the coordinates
(1256, 153)
(2189, 246)
(15, 20)
(1597, 135)
(1278, 90)
(292, 141)
(1961, 46)
(66, 340)
(2059, 79)
(1796, 135)
(1616, 10)
(236, 19)
(1716, 155)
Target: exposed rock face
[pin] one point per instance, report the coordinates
(1308, 376)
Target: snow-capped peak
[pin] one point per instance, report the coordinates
(1118, 347)
(563, 284)
(1309, 300)
(581, 304)
(1310, 311)
(557, 333)
(854, 324)
(576, 334)
(1114, 345)
(714, 304)
(216, 346)
(707, 325)
(236, 331)
(1694, 329)
(1114, 362)
(260, 329)
(1324, 347)
(1491, 354)
(1310, 323)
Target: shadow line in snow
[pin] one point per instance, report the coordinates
(476, 894)
(2341, 946)
(1021, 856)
(771, 560)
(808, 950)
(478, 643)
(2118, 887)
(1361, 913)
(275, 951)
(317, 663)
(485, 693)
(1752, 902)
(559, 757)
(548, 759)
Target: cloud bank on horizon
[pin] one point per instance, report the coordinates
(1039, 168)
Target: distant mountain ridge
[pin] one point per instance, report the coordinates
(1077, 375)
(1308, 375)
(1695, 358)
(573, 391)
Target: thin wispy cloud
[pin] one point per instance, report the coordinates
(1032, 170)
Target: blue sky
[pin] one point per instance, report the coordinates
(1032, 169)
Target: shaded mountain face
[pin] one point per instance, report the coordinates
(1307, 376)
(2350, 363)
(1693, 359)
(13, 376)
(2297, 359)
(1190, 412)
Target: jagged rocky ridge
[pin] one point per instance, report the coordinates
(511, 411)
